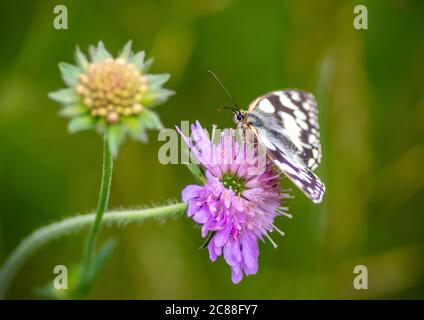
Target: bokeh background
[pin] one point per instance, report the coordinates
(369, 85)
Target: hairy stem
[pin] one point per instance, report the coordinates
(90, 246)
(45, 234)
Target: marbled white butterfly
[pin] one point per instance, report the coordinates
(286, 124)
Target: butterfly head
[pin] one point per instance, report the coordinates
(239, 116)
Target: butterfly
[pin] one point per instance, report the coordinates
(285, 122)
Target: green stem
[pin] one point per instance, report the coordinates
(45, 234)
(90, 245)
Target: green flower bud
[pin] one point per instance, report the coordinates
(112, 95)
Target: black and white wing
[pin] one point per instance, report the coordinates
(295, 115)
(286, 124)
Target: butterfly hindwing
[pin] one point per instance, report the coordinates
(278, 149)
(294, 114)
(305, 179)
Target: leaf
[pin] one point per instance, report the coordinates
(70, 73)
(102, 255)
(65, 96)
(138, 60)
(79, 283)
(80, 123)
(86, 281)
(115, 134)
(197, 173)
(73, 110)
(126, 51)
(81, 59)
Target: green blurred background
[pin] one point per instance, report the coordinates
(369, 85)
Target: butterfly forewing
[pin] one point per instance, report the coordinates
(294, 113)
(286, 123)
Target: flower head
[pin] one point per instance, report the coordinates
(237, 203)
(113, 95)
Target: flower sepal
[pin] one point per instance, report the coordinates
(208, 240)
(197, 173)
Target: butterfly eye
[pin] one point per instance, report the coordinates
(238, 116)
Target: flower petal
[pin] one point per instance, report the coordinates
(212, 251)
(236, 274)
(221, 237)
(249, 253)
(201, 216)
(232, 252)
(191, 191)
(206, 228)
(193, 207)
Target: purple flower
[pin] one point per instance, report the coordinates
(239, 200)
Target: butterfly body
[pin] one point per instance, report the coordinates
(286, 124)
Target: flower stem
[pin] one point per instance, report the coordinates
(90, 245)
(45, 234)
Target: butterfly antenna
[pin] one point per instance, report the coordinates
(226, 91)
(229, 108)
